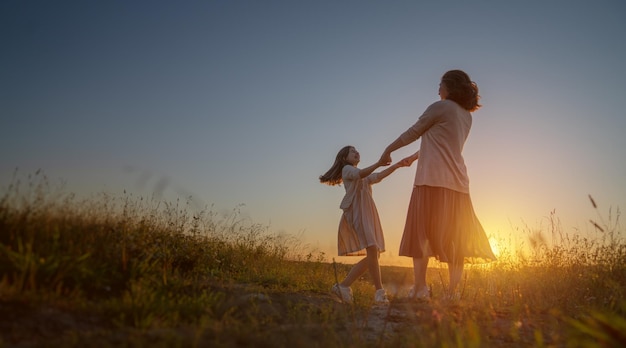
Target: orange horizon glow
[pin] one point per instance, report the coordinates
(495, 246)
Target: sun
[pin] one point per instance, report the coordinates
(495, 246)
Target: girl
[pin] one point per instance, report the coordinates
(441, 222)
(359, 227)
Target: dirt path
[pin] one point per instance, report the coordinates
(278, 315)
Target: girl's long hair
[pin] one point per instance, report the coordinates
(461, 89)
(333, 175)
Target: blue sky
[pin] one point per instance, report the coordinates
(247, 102)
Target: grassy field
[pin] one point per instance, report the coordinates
(130, 272)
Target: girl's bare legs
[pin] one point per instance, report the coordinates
(419, 272)
(369, 262)
(355, 272)
(374, 267)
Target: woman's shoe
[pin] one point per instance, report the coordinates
(422, 295)
(345, 294)
(454, 296)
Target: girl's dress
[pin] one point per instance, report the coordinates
(359, 226)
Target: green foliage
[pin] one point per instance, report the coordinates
(101, 247)
(599, 329)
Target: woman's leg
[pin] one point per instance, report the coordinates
(456, 272)
(419, 272)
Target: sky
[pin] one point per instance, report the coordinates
(241, 105)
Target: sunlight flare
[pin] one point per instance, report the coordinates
(495, 246)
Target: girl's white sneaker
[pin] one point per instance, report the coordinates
(345, 294)
(381, 297)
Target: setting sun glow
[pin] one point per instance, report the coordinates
(495, 246)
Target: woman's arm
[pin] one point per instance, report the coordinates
(386, 156)
(431, 116)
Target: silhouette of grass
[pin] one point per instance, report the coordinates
(111, 271)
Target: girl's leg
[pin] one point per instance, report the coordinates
(374, 267)
(369, 262)
(419, 272)
(456, 271)
(355, 272)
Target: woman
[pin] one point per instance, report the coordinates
(440, 221)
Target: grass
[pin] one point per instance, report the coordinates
(128, 271)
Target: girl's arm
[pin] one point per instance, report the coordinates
(369, 170)
(412, 158)
(385, 173)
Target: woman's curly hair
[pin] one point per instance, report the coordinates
(461, 89)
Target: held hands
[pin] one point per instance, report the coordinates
(407, 161)
(385, 159)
